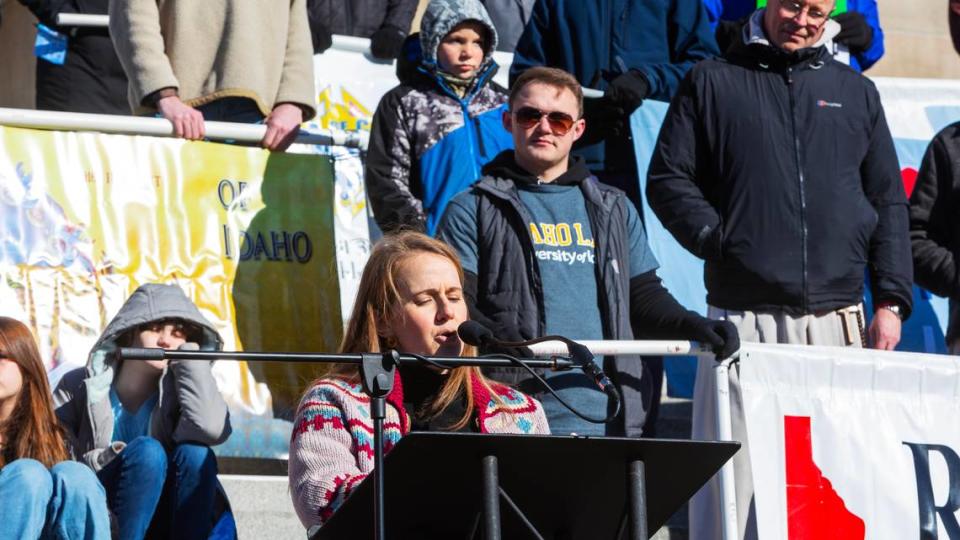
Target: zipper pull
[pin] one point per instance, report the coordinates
(789, 75)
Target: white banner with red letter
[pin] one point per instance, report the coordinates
(852, 444)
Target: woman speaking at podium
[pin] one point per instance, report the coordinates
(410, 299)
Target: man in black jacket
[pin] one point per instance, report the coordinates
(934, 211)
(90, 79)
(547, 249)
(385, 22)
(775, 165)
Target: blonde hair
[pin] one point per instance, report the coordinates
(377, 300)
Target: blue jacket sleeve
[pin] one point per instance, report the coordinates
(693, 40)
(531, 49)
(714, 12)
(868, 8)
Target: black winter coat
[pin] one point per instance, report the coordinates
(361, 18)
(778, 170)
(91, 80)
(935, 222)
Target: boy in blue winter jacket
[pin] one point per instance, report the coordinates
(433, 132)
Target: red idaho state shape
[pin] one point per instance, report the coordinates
(909, 176)
(814, 510)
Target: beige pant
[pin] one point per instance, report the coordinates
(842, 327)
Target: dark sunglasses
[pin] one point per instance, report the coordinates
(560, 123)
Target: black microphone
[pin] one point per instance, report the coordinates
(474, 333)
(138, 353)
(132, 353)
(584, 358)
(478, 335)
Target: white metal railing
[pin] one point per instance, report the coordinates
(611, 347)
(340, 42)
(82, 19)
(136, 125)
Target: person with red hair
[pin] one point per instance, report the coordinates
(45, 495)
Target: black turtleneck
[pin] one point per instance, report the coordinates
(420, 386)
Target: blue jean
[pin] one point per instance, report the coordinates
(65, 501)
(232, 109)
(151, 491)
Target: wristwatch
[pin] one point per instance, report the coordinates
(892, 307)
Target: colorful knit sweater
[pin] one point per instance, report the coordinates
(331, 449)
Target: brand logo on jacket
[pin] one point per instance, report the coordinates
(831, 104)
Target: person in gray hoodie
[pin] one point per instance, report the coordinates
(146, 427)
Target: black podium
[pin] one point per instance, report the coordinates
(445, 485)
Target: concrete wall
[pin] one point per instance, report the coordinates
(917, 40)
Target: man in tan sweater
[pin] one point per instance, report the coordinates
(229, 60)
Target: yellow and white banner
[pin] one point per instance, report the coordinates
(85, 218)
(852, 444)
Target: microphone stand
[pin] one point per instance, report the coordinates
(377, 371)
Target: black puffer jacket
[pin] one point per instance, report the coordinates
(779, 170)
(361, 18)
(512, 290)
(91, 80)
(935, 222)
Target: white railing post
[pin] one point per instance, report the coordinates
(728, 492)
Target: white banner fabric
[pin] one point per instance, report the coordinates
(852, 443)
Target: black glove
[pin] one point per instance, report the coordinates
(728, 32)
(628, 90)
(385, 43)
(721, 335)
(604, 120)
(322, 38)
(855, 33)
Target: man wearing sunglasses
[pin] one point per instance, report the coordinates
(547, 249)
(632, 50)
(775, 165)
